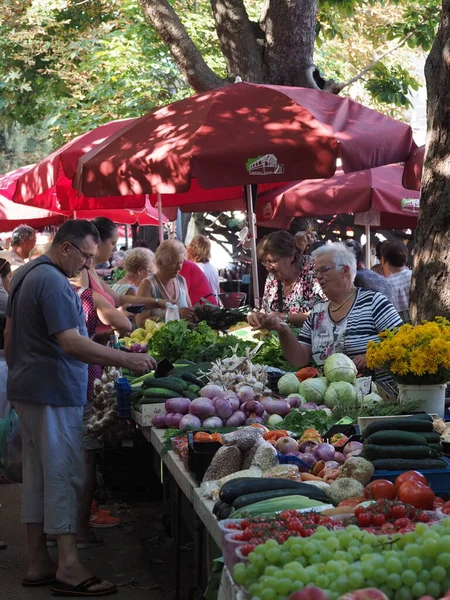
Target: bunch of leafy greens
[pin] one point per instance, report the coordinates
(176, 340)
(354, 409)
(297, 421)
(271, 354)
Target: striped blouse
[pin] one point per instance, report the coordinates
(370, 314)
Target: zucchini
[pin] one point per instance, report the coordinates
(394, 437)
(275, 505)
(169, 383)
(423, 416)
(402, 423)
(192, 379)
(408, 464)
(372, 452)
(314, 493)
(152, 401)
(437, 447)
(160, 393)
(135, 396)
(190, 395)
(254, 485)
(224, 511)
(431, 436)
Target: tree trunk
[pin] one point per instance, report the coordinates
(430, 290)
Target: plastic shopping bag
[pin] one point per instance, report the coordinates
(13, 448)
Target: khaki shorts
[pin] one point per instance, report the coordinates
(90, 440)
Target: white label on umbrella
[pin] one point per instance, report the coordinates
(264, 165)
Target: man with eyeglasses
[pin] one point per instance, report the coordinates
(47, 351)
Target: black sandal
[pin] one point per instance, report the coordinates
(82, 589)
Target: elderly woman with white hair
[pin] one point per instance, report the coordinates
(345, 323)
(139, 264)
(167, 283)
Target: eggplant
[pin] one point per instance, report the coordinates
(217, 507)
(312, 492)
(224, 511)
(256, 485)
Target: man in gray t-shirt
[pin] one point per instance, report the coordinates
(365, 278)
(47, 351)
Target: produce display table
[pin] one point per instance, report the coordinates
(202, 507)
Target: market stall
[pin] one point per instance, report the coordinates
(299, 477)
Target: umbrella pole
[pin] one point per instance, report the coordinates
(252, 230)
(368, 253)
(160, 218)
(75, 214)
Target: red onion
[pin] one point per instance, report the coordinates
(286, 445)
(352, 447)
(324, 452)
(253, 406)
(210, 391)
(190, 422)
(253, 419)
(307, 447)
(331, 464)
(212, 423)
(350, 454)
(309, 458)
(223, 408)
(159, 421)
(173, 420)
(309, 406)
(277, 407)
(202, 408)
(236, 420)
(295, 401)
(245, 393)
(177, 405)
(233, 399)
(339, 458)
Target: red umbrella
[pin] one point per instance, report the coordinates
(412, 176)
(147, 216)
(376, 193)
(242, 134)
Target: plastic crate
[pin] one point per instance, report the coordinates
(293, 460)
(124, 392)
(439, 479)
(200, 455)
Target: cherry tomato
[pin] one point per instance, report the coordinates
(446, 511)
(381, 489)
(245, 550)
(438, 502)
(388, 528)
(423, 517)
(416, 494)
(398, 511)
(378, 520)
(410, 476)
(202, 436)
(364, 519)
(216, 437)
(403, 522)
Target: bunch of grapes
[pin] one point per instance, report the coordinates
(404, 567)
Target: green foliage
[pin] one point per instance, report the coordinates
(391, 86)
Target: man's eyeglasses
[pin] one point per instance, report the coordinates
(83, 254)
(323, 270)
(270, 263)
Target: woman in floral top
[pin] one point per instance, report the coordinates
(291, 287)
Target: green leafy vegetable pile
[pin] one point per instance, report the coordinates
(297, 421)
(272, 355)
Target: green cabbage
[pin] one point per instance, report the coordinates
(288, 384)
(314, 389)
(339, 391)
(339, 367)
(371, 399)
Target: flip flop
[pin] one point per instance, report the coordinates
(92, 543)
(82, 589)
(38, 582)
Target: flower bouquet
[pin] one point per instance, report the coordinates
(414, 355)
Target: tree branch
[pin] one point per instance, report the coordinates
(183, 50)
(236, 34)
(335, 88)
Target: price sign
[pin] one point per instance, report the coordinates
(364, 385)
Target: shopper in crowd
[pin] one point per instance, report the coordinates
(345, 323)
(366, 278)
(5, 281)
(291, 288)
(304, 240)
(23, 240)
(394, 257)
(199, 251)
(47, 385)
(197, 283)
(139, 264)
(140, 244)
(377, 268)
(88, 278)
(167, 284)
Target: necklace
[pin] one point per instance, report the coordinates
(341, 305)
(165, 290)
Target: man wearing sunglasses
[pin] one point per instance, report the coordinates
(47, 351)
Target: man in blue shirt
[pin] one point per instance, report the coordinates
(47, 351)
(366, 278)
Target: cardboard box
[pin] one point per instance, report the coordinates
(144, 418)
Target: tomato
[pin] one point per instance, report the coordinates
(388, 528)
(364, 519)
(423, 517)
(417, 494)
(397, 512)
(260, 426)
(438, 503)
(378, 520)
(246, 549)
(352, 501)
(202, 436)
(381, 489)
(410, 476)
(216, 437)
(446, 511)
(403, 522)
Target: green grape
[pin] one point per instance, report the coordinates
(430, 548)
(403, 594)
(380, 575)
(366, 549)
(271, 570)
(433, 589)
(257, 560)
(356, 579)
(284, 586)
(370, 583)
(326, 555)
(394, 581)
(353, 552)
(393, 565)
(418, 589)
(273, 554)
(296, 549)
(342, 584)
(409, 578)
(289, 574)
(297, 585)
(272, 544)
(341, 555)
(316, 559)
(333, 567)
(270, 582)
(311, 548)
(444, 543)
(295, 567)
(239, 572)
(420, 528)
(438, 574)
(424, 576)
(378, 560)
(345, 540)
(443, 560)
(322, 581)
(254, 589)
(332, 544)
(445, 524)
(285, 557)
(367, 570)
(413, 550)
(415, 564)
(269, 594)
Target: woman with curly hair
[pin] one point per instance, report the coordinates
(199, 251)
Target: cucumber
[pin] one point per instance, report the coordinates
(192, 379)
(395, 437)
(431, 436)
(402, 423)
(224, 511)
(408, 464)
(152, 401)
(169, 383)
(275, 505)
(372, 452)
(314, 493)
(423, 416)
(135, 396)
(190, 395)
(437, 447)
(254, 485)
(195, 389)
(160, 393)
